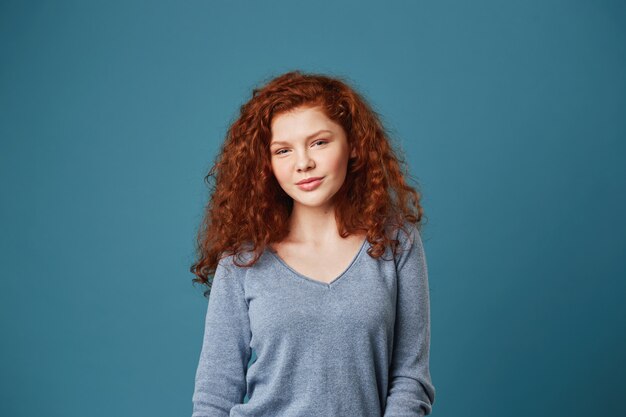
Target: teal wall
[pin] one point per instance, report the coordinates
(512, 117)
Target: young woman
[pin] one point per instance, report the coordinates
(312, 240)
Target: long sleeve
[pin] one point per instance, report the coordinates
(411, 392)
(220, 380)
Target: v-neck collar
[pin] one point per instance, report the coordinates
(315, 281)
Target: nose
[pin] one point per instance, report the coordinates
(304, 162)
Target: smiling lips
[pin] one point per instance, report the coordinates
(304, 181)
(310, 183)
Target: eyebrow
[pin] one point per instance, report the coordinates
(280, 142)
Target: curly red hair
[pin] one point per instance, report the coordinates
(248, 209)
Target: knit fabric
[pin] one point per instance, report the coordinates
(357, 346)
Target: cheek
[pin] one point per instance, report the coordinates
(338, 163)
(280, 171)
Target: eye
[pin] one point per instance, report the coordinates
(280, 151)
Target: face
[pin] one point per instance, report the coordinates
(307, 144)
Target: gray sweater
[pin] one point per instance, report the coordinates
(357, 346)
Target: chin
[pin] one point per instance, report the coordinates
(313, 202)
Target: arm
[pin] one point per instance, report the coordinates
(220, 381)
(411, 392)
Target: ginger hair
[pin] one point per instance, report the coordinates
(248, 210)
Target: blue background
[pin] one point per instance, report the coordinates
(511, 116)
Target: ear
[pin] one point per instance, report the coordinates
(353, 153)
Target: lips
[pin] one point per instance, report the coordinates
(308, 180)
(310, 185)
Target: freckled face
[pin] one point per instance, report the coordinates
(306, 144)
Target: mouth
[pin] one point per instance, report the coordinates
(310, 184)
(308, 180)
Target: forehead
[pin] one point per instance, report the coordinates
(300, 123)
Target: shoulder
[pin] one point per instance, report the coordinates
(410, 246)
(235, 262)
(236, 265)
(408, 234)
